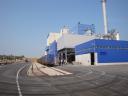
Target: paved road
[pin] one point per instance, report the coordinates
(85, 81)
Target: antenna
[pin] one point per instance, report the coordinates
(105, 16)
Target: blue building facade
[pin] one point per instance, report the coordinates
(108, 51)
(52, 53)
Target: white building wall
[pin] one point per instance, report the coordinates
(55, 36)
(96, 59)
(52, 37)
(117, 63)
(71, 40)
(84, 59)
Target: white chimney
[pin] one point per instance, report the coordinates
(117, 36)
(105, 16)
(64, 30)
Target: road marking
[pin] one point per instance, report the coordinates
(90, 72)
(103, 73)
(17, 80)
(61, 71)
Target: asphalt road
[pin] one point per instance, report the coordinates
(85, 81)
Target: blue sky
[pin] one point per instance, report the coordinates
(25, 24)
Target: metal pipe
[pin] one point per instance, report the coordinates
(105, 16)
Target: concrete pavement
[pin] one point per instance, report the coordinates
(38, 69)
(85, 81)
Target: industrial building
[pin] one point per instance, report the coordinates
(82, 45)
(66, 46)
(87, 50)
(61, 46)
(100, 51)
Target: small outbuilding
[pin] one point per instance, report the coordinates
(101, 51)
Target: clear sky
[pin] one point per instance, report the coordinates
(25, 24)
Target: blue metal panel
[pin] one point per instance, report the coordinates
(112, 43)
(83, 28)
(111, 56)
(85, 48)
(108, 51)
(53, 48)
(52, 53)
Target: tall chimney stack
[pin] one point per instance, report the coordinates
(105, 16)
